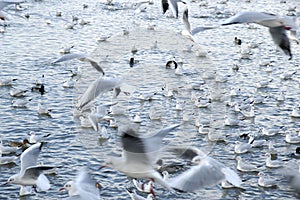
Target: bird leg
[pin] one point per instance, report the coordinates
(34, 188)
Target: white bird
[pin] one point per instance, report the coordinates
(20, 103)
(265, 181)
(241, 147)
(4, 3)
(140, 154)
(31, 173)
(80, 56)
(103, 134)
(15, 92)
(43, 110)
(244, 166)
(270, 131)
(66, 50)
(231, 121)
(36, 138)
(273, 163)
(7, 81)
(134, 196)
(7, 159)
(83, 187)
(292, 139)
(256, 143)
(96, 88)
(136, 118)
(277, 26)
(296, 112)
(6, 149)
(206, 172)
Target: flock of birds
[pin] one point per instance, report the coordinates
(141, 154)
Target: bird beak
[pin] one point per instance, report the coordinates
(98, 185)
(5, 183)
(103, 166)
(61, 189)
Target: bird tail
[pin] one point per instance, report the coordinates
(43, 183)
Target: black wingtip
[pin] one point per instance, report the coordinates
(42, 144)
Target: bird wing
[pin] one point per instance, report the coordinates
(262, 18)
(34, 172)
(202, 28)
(174, 7)
(97, 87)
(281, 39)
(134, 148)
(29, 156)
(188, 152)
(94, 64)
(86, 187)
(199, 176)
(165, 5)
(231, 176)
(69, 56)
(185, 19)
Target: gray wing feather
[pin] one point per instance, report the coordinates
(197, 177)
(70, 56)
(86, 186)
(29, 156)
(96, 88)
(281, 39)
(35, 171)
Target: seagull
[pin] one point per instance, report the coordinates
(188, 32)
(140, 154)
(97, 87)
(273, 163)
(134, 196)
(34, 138)
(264, 181)
(83, 187)
(43, 110)
(277, 26)
(245, 167)
(206, 172)
(82, 57)
(256, 143)
(7, 150)
(4, 3)
(31, 173)
(241, 147)
(7, 159)
(7, 81)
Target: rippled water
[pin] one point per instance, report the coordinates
(28, 47)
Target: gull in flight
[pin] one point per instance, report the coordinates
(97, 87)
(140, 155)
(80, 56)
(277, 26)
(83, 187)
(206, 172)
(31, 174)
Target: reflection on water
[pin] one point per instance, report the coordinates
(30, 45)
